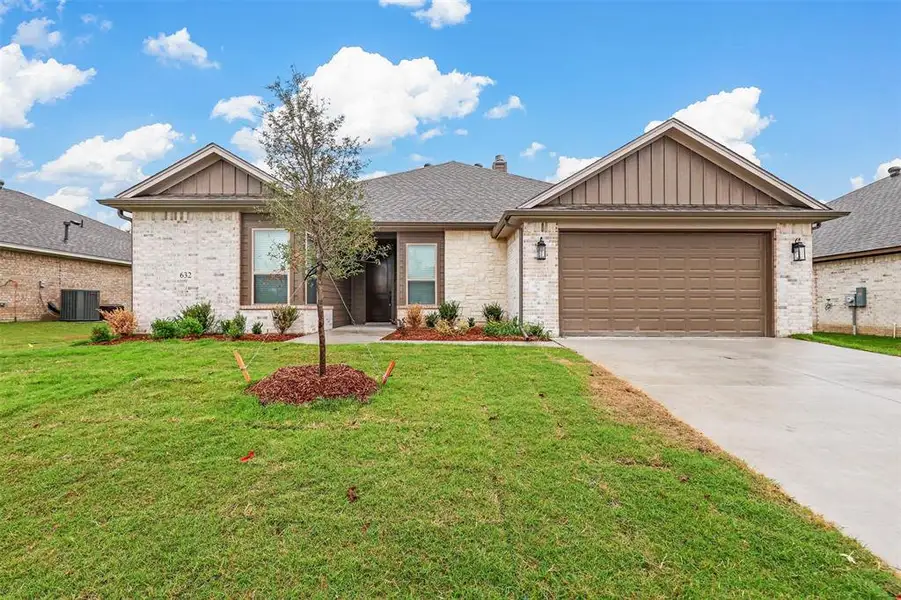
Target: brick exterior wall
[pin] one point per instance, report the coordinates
(513, 274)
(307, 321)
(475, 270)
(881, 275)
(28, 300)
(794, 280)
(540, 285)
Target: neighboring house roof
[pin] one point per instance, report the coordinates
(33, 225)
(874, 223)
(450, 192)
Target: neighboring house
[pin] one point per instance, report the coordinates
(40, 255)
(671, 234)
(861, 250)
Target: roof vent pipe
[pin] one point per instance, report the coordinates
(427, 165)
(478, 164)
(500, 163)
(2, 183)
(893, 171)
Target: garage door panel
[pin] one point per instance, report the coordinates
(694, 283)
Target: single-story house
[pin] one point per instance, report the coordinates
(45, 249)
(671, 234)
(861, 250)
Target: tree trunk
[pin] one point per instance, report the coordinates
(320, 315)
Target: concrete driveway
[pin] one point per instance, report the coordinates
(823, 421)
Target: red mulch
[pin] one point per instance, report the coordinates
(425, 334)
(298, 385)
(247, 337)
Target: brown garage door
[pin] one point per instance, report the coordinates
(688, 283)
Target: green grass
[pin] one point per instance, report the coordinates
(481, 471)
(869, 343)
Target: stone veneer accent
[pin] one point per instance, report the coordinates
(834, 280)
(540, 285)
(794, 280)
(513, 274)
(475, 270)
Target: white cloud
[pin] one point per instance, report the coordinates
(373, 175)
(444, 12)
(431, 133)
(382, 101)
(461, 132)
(404, 3)
(118, 162)
(567, 165)
(247, 140)
(178, 48)
(857, 182)
(731, 118)
(87, 19)
(193, 138)
(420, 158)
(23, 83)
(36, 34)
(27, 5)
(238, 107)
(60, 6)
(533, 149)
(71, 198)
(9, 149)
(503, 109)
(882, 170)
(106, 25)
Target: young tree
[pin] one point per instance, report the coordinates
(317, 197)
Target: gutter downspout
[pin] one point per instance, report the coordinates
(121, 213)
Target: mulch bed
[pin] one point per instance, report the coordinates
(299, 385)
(247, 337)
(425, 334)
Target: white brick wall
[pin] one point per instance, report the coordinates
(180, 258)
(513, 274)
(794, 280)
(307, 321)
(540, 285)
(475, 270)
(881, 275)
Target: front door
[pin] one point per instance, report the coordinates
(380, 290)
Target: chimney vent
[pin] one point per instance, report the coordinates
(500, 163)
(478, 164)
(894, 171)
(427, 165)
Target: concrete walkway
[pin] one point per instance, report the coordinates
(348, 334)
(822, 421)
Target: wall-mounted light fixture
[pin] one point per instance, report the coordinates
(541, 248)
(799, 250)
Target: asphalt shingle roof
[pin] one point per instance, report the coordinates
(450, 192)
(874, 222)
(27, 221)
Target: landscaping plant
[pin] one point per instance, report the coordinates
(536, 330)
(445, 328)
(449, 310)
(493, 312)
(257, 328)
(283, 317)
(189, 326)
(431, 319)
(164, 329)
(316, 194)
(413, 319)
(203, 312)
(472, 322)
(120, 321)
(237, 326)
(101, 333)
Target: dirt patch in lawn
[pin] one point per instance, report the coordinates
(426, 334)
(302, 384)
(247, 337)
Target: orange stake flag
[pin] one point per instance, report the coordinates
(388, 372)
(242, 366)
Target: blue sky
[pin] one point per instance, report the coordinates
(811, 91)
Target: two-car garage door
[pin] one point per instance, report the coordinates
(673, 283)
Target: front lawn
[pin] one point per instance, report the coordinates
(482, 471)
(870, 343)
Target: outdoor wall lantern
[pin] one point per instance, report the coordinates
(799, 251)
(542, 249)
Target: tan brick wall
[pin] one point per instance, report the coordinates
(475, 270)
(28, 301)
(513, 276)
(794, 280)
(881, 275)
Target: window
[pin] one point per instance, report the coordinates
(270, 278)
(422, 261)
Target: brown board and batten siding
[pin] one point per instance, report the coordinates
(418, 237)
(331, 294)
(664, 173)
(219, 179)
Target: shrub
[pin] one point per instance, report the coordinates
(449, 310)
(431, 320)
(164, 329)
(493, 312)
(414, 317)
(463, 326)
(505, 328)
(472, 322)
(536, 330)
(224, 326)
(203, 312)
(101, 333)
(189, 326)
(237, 326)
(121, 321)
(257, 328)
(283, 317)
(445, 328)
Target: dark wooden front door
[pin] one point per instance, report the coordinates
(380, 290)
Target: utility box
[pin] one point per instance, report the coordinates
(858, 299)
(79, 305)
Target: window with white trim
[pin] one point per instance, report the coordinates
(270, 277)
(422, 278)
